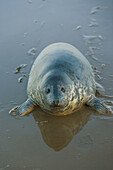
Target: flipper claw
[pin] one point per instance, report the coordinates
(14, 112)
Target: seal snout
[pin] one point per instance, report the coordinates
(56, 103)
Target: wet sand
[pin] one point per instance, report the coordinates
(82, 141)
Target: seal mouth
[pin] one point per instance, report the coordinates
(56, 108)
(55, 105)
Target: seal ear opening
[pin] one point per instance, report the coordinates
(63, 89)
(47, 90)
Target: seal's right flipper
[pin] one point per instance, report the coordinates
(98, 105)
(23, 109)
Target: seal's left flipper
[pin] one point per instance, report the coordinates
(98, 105)
(23, 109)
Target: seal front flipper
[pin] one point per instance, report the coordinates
(23, 109)
(98, 105)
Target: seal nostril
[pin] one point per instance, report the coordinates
(55, 102)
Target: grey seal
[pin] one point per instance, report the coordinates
(61, 81)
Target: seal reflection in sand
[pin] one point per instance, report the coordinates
(58, 131)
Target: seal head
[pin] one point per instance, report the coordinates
(57, 92)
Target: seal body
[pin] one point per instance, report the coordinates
(61, 79)
(60, 82)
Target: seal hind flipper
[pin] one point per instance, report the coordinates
(23, 109)
(98, 105)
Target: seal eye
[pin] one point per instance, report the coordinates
(63, 89)
(47, 91)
